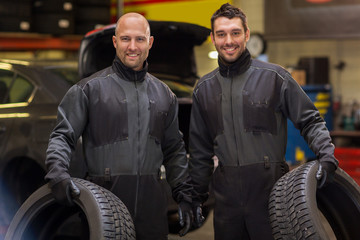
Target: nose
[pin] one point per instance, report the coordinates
(132, 44)
(228, 39)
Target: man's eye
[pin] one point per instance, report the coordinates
(141, 39)
(236, 33)
(125, 39)
(220, 34)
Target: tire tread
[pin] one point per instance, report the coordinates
(116, 218)
(289, 214)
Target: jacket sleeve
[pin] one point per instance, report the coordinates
(71, 119)
(175, 159)
(298, 107)
(201, 153)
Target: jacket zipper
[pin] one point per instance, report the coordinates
(138, 159)
(232, 113)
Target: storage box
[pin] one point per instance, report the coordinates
(300, 76)
(349, 161)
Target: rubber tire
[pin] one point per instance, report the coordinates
(97, 14)
(40, 217)
(296, 205)
(54, 23)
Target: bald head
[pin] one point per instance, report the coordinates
(132, 40)
(132, 17)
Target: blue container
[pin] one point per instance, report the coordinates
(297, 149)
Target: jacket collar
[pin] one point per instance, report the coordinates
(238, 67)
(127, 73)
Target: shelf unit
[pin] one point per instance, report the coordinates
(34, 41)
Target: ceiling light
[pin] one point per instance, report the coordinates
(213, 54)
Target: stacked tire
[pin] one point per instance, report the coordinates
(54, 17)
(15, 17)
(299, 210)
(96, 214)
(91, 14)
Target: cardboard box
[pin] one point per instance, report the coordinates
(299, 75)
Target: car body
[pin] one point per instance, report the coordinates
(30, 92)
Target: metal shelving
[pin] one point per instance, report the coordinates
(34, 41)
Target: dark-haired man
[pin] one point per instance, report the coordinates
(239, 114)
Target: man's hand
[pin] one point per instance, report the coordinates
(198, 216)
(185, 217)
(325, 173)
(64, 192)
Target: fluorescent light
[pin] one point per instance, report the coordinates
(213, 55)
(14, 115)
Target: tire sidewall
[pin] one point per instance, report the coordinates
(42, 198)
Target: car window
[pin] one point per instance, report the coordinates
(179, 89)
(69, 74)
(21, 90)
(14, 88)
(6, 78)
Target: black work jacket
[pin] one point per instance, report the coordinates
(129, 127)
(239, 114)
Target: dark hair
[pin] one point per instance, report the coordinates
(229, 11)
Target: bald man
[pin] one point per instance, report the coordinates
(128, 122)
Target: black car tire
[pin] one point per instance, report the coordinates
(97, 214)
(297, 207)
(54, 23)
(93, 14)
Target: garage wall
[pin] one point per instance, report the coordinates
(254, 10)
(345, 83)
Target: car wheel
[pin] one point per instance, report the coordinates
(298, 210)
(96, 214)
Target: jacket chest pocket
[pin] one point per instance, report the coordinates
(259, 113)
(113, 127)
(158, 116)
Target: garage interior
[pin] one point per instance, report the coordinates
(317, 41)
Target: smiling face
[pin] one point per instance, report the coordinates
(132, 40)
(229, 38)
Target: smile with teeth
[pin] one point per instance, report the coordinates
(230, 49)
(132, 54)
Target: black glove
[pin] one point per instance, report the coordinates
(64, 192)
(198, 216)
(185, 217)
(325, 173)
